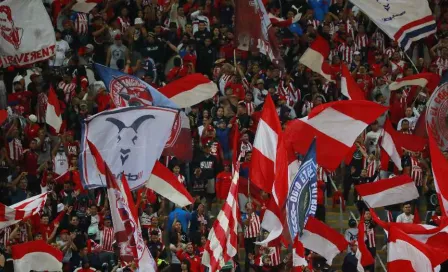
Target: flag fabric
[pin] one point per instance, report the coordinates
(434, 236)
(3, 116)
(280, 22)
(130, 140)
(322, 239)
(389, 191)
(126, 90)
(124, 214)
(349, 87)
(10, 215)
(27, 33)
(222, 244)
(440, 173)
(407, 254)
(298, 254)
(179, 143)
(36, 256)
(436, 112)
(404, 22)
(53, 113)
(390, 145)
(363, 255)
(324, 123)
(429, 80)
(302, 197)
(189, 90)
(315, 58)
(259, 35)
(166, 184)
(264, 151)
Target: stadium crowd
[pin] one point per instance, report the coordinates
(161, 41)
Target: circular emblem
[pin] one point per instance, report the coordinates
(174, 132)
(437, 115)
(128, 91)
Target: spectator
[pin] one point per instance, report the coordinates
(406, 216)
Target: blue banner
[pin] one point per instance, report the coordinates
(126, 90)
(302, 197)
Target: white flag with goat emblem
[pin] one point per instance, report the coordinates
(129, 139)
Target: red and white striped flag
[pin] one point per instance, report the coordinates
(266, 145)
(429, 80)
(349, 87)
(440, 172)
(36, 256)
(165, 183)
(363, 254)
(10, 215)
(222, 244)
(189, 90)
(387, 192)
(408, 254)
(320, 238)
(269, 167)
(124, 218)
(393, 143)
(315, 58)
(53, 113)
(325, 122)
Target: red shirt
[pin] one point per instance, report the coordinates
(30, 162)
(195, 261)
(177, 72)
(31, 131)
(21, 98)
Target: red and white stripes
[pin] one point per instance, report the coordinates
(222, 243)
(10, 215)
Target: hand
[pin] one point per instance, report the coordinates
(70, 209)
(352, 170)
(56, 225)
(72, 236)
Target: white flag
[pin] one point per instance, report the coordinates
(129, 139)
(27, 35)
(403, 21)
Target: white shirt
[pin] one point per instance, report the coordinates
(62, 48)
(403, 218)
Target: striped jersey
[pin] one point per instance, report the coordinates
(253, 229)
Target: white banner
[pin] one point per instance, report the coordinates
(404, 21)
(130, 140)
(27, 35)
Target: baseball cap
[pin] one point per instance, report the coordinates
(138, 21)
(32, 118)
(357, 53)
(117, 37)
(89, 47)
(64, 231)
(210, 128)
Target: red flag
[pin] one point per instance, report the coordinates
(36, 256)
(165, 183)
(440, 172)
(266, 143)
(315, 58)
(53, 113)
(258, 35)
(417, 219)
(365, 258)
(189, 90)
(125, 219)
(222, 244)
(325, 123)
(349, 87)
(429, 80)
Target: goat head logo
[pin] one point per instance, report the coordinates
(130, 141)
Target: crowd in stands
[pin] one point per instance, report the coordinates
(161, 41)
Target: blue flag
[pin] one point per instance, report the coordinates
(127, 90)
(302, 197)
